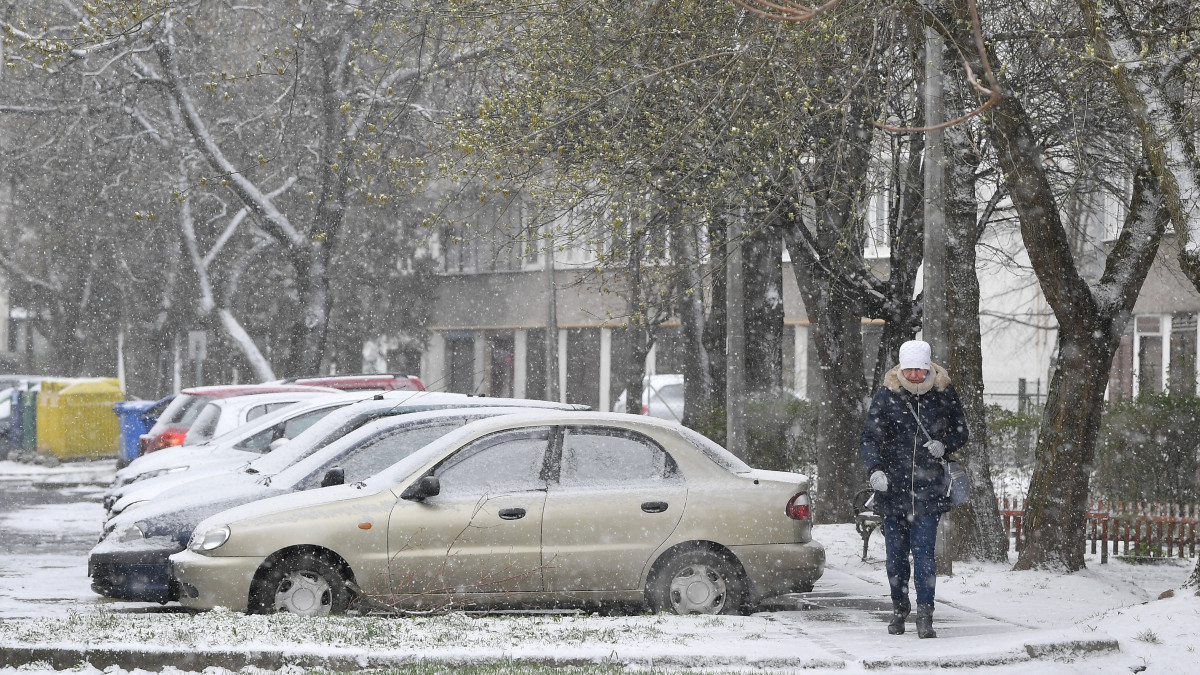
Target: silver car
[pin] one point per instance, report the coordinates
(530, 510)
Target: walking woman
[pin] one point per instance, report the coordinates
(916, 423)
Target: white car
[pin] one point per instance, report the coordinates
(223, 415)
(249, 452)
(662, 396)
(166, 469)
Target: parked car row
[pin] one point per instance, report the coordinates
(406, 499)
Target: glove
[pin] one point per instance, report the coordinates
(879, 481)
(936, 448)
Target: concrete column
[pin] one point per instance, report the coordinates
(1167, 329)
(433, 363)
(176, 366)
(605, 368)
(520, 354)
(800, 362)
(483, 365)
(562, 366)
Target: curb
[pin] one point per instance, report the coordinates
(235, 660)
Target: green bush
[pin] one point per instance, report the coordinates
(1011, 437)
(1147, 451)
(781, 434)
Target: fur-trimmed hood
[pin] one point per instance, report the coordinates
(895, 381)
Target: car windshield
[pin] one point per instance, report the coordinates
(183, 410)
(326, 430)
(204, 425)
(282, 424)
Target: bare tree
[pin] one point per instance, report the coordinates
(1091, 317)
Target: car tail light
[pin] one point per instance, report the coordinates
(797, 507)
(166, 439)
(645, 409)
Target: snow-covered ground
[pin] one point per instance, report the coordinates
(990, 619)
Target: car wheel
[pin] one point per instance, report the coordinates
(697, 582)
(303, 584)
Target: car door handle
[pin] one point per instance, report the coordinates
(654, 507)
(512, 514)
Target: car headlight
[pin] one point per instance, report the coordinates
(210, 540)
(133, 533)
(159, 472)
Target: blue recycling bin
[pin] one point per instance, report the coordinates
(131, 423)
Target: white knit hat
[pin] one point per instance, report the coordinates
(914, 354)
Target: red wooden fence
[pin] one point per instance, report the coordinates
(1153, 530)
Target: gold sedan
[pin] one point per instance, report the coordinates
(544, 509)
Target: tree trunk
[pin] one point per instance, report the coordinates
(979, 532)
(697, 373)
(762, 265)
(1053, 532)
(641, 337)
(836, 333)
(837, 336)
(1091, 320)
(714, 335)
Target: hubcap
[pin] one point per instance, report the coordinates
(697, 589)
(304, 593)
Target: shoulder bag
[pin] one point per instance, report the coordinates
(959, 489)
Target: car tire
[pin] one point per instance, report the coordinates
(698, 581)
(302, 584)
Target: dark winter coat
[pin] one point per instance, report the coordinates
(891, 441)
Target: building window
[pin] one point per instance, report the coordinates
(1156, 355)
(1120, 377)
(1182, 370)
(501, 352)
(1150, 363)
(460, 361)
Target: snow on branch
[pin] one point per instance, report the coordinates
(57, 49)
(274, 221)
(1153, 100)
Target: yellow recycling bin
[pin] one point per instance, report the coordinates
(75, 417)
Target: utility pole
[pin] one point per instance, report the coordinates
(550, 345)
(934, 323)
(735, 343)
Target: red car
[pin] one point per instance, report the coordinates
(173, 423)
(364, 382)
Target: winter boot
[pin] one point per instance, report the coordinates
(900, 610)
(925, 622)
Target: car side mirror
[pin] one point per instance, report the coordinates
(334, 476)
(428, 486)
(278, 443)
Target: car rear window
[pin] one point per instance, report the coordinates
(726, 459)
(183, 410)
(204, 425)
